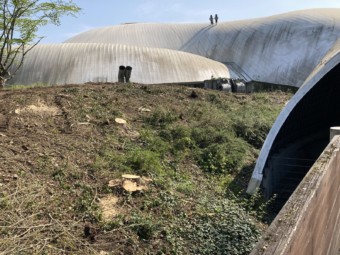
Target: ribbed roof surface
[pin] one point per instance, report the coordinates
(78, 63)
(281, 49)
(331, 59)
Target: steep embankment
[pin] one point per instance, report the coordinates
(64, 150)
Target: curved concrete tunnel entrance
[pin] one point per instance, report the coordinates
(302, 138)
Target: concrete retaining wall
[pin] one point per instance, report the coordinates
(309, 223)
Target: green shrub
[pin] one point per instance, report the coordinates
(161, 117)
(214, 98)
(222, 158)
(253, 120)
(256, 204)
(144, 227)
(221, 227)
(253, 130)
(154, 142)
(179, 137)
(144, 162)
(205, 136)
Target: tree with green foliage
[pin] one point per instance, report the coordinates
(19, 24)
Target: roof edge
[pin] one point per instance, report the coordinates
(331, 59)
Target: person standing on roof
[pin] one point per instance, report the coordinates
(216, 18)
(211, 20)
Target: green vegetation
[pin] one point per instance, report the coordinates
(35, 85)
(196, 155)
(19, 22)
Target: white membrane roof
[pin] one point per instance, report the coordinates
(281, 49)
(78, 63)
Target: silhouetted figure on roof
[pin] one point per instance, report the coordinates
(211, 20)
(216, 18)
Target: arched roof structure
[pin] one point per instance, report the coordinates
(281, 49)
(78, 63)
(320, 113)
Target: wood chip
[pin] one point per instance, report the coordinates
(130, 176)
(114, 183)
(146, 179)
(142, 109)
(120, 121)
(132, 186)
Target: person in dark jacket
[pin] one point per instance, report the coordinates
(211, 20)
(216, 18)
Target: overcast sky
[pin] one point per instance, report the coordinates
(98, 13)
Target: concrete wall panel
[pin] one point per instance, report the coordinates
(309, 223)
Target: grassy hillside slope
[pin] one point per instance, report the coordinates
(64, 150)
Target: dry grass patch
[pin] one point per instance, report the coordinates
(33, 222)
